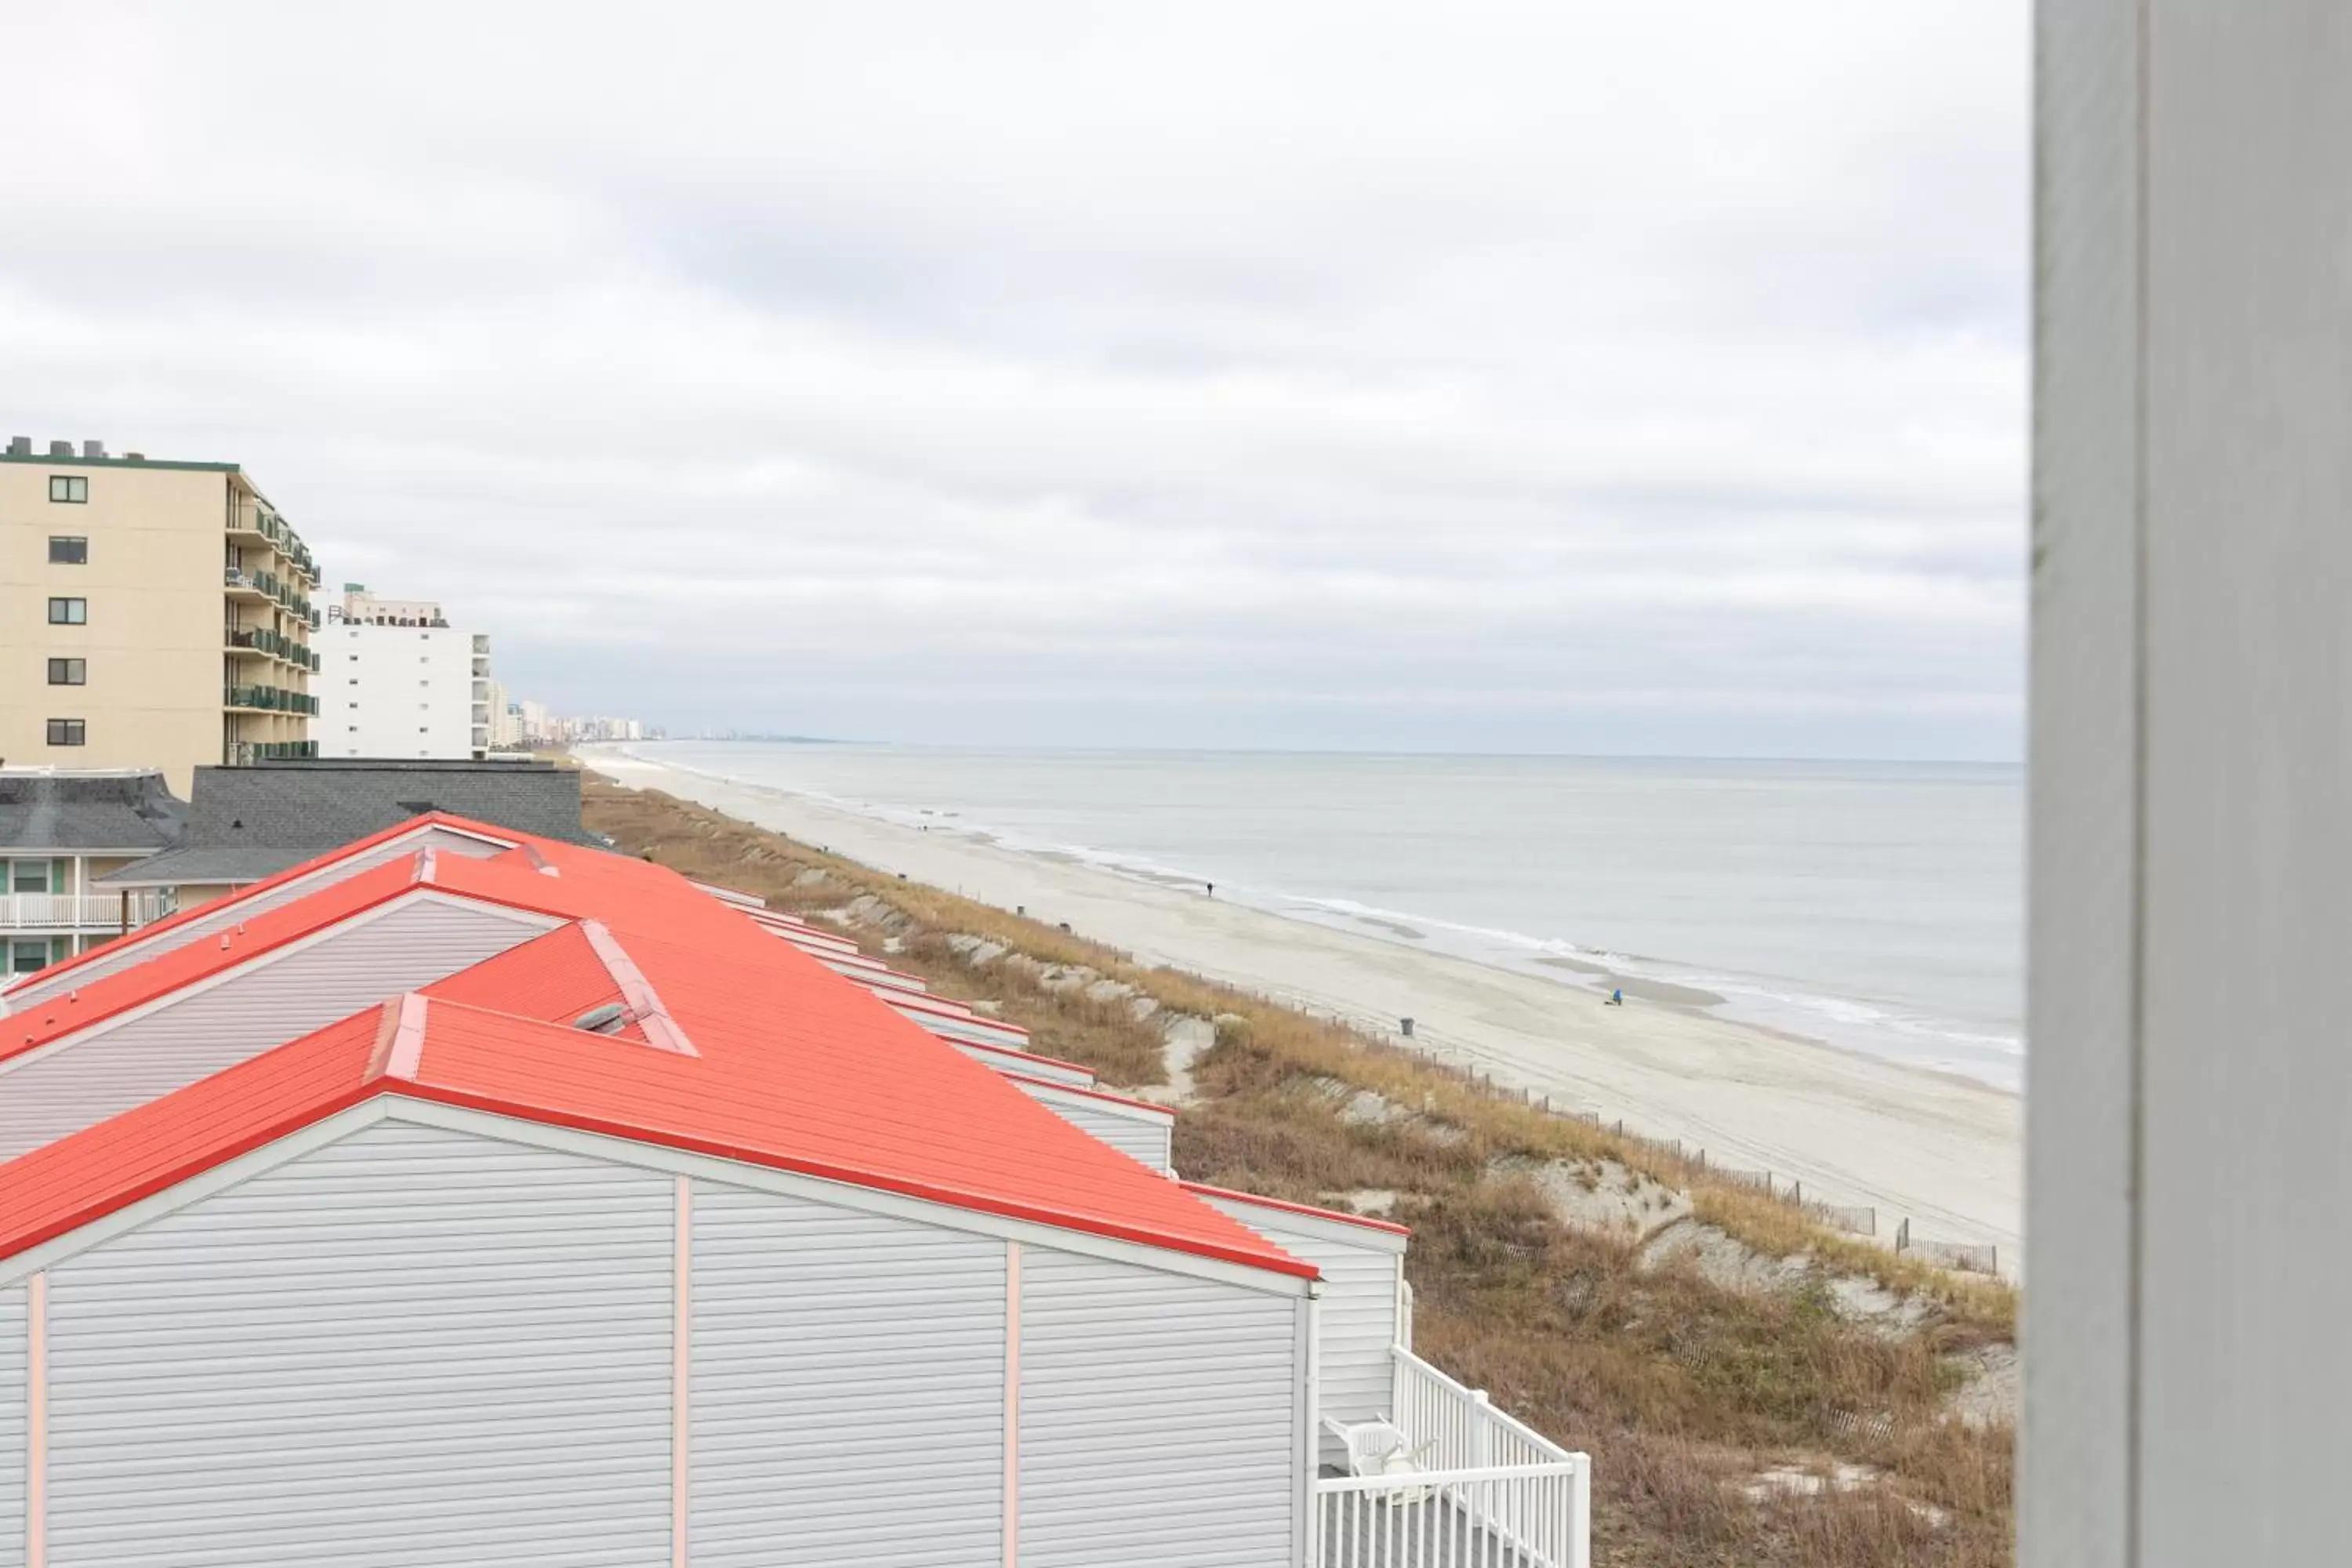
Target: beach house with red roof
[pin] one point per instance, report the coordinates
(464, 1196)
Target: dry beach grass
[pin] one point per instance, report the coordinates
(1732, 1421)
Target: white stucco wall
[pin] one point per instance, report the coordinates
(394, 691)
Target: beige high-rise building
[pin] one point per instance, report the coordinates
(152, 614)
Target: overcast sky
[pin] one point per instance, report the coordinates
(1558, 376)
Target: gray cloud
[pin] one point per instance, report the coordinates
(1574, 377)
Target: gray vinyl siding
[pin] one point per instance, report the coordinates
(112, 1069)
(1159, 1418)
(1136, 1135)
(953, 1026)
(411, 1347)
(847, 1397)
(1053, 1072)
(229, 914)
(873, 976)
(1356, 1321)
(12, 1427)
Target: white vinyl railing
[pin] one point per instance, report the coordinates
(1506, 1516)
(95, 911)
(1454, 1427)
(1485, 1489)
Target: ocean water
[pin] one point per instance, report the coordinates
(1876, 905)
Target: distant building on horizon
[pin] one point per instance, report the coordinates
(505, 722)
(399, 682)
(538, 727)
(157, 614)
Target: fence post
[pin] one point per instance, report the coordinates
(1580, 1529)
(1482, 1435)
(1903, 1235)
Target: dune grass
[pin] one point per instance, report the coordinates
(1685, 1392)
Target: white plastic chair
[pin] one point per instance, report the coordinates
(1379, 1448)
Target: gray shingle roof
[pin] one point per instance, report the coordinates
(175, 867)
(247, 823)
(87, 811)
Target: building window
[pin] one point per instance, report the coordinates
(68, 672)
(71, 487)
(69, 550)
(68, 612)
(65, 732)
(29, 877)
(25, 957)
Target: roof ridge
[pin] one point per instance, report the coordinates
(233, 950)
(645, 1005)
(405, 1044)
(791, 1066)
(510, 836)
(387, 1026)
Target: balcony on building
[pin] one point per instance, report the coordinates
(60, 830)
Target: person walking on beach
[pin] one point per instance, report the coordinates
(1616, 997)
(1211, 887)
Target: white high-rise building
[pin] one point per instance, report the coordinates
(395, 679)
(506, 721)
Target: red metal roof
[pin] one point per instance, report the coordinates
(67, 1183)
(554, 978)
(786, 1065)
(508, 878)
(255, 890)
(1339, 1215)
(61, 1013)
(1013, 1058)
(953, 1011)
(1093, 1093)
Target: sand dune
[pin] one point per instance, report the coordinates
(1942, 1149)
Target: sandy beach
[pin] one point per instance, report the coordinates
(1941, 1149)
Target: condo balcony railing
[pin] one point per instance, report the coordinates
(82, 911)
(269, 700)
(277, 645)
(244, 753)
(261, 520)
(271, 585)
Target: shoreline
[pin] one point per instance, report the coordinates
(1903, 1003)
(1941, 1148)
